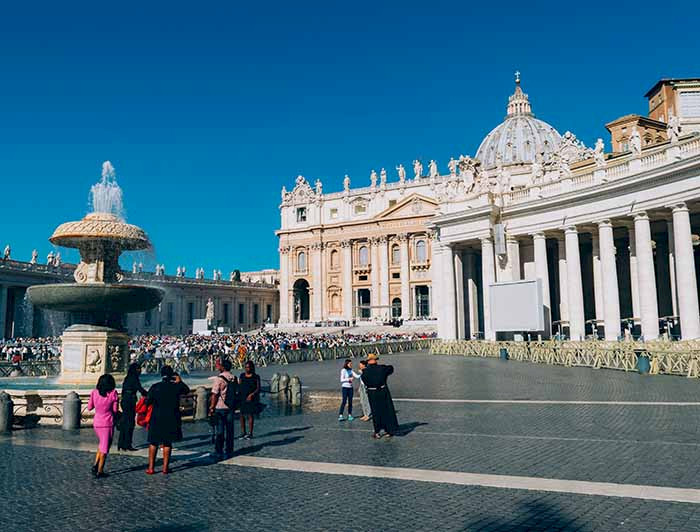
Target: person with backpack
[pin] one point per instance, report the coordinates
(224, 395)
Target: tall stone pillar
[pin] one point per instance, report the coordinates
(374, 296)
(646, 278)
(317, 287)
(488, 277)
(610, 292)
(672, 267)
(634, 278)
(471, 293)
(383, 250)
(597, 278)
(406, 311)
(513, 248)
(446, 310)
(283, 288)
(542, 272)
(348, 296)
(459, 295)
(577, 328)
(685, 274)
(563, 284)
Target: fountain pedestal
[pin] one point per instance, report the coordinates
(89, 351)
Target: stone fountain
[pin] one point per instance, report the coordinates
(98, 299)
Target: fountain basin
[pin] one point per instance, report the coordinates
(116, 298)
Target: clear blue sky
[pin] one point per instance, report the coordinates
(207, 108)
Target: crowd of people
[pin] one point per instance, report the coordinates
(261, 344)
(16, 350)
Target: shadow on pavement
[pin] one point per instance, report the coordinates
(406, 428)
(282, 432)
(191, 527)
(252, 449)
(530, 516)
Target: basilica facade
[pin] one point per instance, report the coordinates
(610, 233)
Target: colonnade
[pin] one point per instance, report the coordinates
(458, 315)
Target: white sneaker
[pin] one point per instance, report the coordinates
(341, 418)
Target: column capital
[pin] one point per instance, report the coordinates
(316, 246)
(570, 229)
(402, 237)
(486, 239)
(511, 239)
(640, 215)
(605, 223)
(538, 235)
(679, 207)
(345, 243)
(373, 240)
(383, 239)
(285, 249)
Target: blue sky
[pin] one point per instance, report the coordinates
(206, 109)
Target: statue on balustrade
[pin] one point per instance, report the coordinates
(673, 128)
(417, 168)
(35, 257)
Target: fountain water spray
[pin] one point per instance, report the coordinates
(106, 196)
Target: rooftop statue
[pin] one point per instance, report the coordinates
(373, 179)
(452, 166)
(402, 173)
(6, 253)
(673, 128)
(599, 153)
(635, 142)
(433, 169)
(417, 168)
(35, 257)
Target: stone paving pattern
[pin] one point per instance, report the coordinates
(51, 489)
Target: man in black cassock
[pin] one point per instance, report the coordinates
(383, 414)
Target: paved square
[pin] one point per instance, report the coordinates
(488, 445)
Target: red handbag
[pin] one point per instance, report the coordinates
(143, 413)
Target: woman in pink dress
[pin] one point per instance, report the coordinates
(104, 399)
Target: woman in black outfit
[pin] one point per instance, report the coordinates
(131, 385)
(165, 426)
(249, 390)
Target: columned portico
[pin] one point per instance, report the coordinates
(685, 273)
(646, 277)
(471, 293)
(610, 294)
(3, 310)
(383, 250)
(317, 287)
(374, 296)
(447, 326)
(542, 273)
(577, 328)
(348, 296)
(488, 277)
(597, 278)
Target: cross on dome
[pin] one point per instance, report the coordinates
(517, 77)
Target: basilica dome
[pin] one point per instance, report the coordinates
(519, 138)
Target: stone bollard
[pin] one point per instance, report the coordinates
(71, 411)
(275, 386)
(295, 389)
(202, 403)
(284, 387)
(6, 412)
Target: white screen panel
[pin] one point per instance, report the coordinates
(517, 306)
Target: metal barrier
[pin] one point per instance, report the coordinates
(666, 358)
(31, 368)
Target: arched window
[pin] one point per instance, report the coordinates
(301, 262)
(395, 254)
(421, 253)
(364, 256)
(334, 259)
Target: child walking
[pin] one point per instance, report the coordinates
(346, 377)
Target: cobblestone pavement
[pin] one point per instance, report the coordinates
(46, 485)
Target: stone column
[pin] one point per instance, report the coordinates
(685, 273)
(634, 278)
(459, 295)
(488, 277)
(513, 248)
(472, 295)
(610, 293)
(317, 287)
(447, 308)
(374, 299)
(577, 326)
(597, 278)
(672, 267)
(646, 278)
(348, 296)
(283, 288)
(563, 285)
(542, 272)
(385, 311)
(405, 285)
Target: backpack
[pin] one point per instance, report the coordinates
(231, 399)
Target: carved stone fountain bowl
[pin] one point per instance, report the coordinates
(100, 227)
(97, 297)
